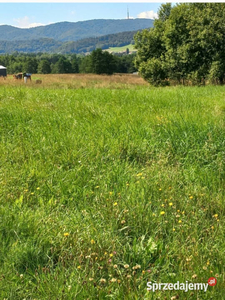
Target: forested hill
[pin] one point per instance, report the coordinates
(73, 31)
(81, 46)
(103, 42)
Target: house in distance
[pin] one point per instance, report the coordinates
(3, 71)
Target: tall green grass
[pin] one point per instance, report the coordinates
(103, 190)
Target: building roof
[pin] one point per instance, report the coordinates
(2, 67)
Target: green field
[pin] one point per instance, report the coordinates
(103, 190)
(121, 49)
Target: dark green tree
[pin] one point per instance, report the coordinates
(44, 67)
(85, 64)
(30, 65)
(74, 64)
(62, 66)
(102, 62)
(187, 42)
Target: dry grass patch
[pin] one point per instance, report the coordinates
(78, 81)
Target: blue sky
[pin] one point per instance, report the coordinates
(25, 15)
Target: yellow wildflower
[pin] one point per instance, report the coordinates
(66, 234)
(162, 213)
(139, 174)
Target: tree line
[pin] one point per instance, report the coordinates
(98, 62)
(186, 44)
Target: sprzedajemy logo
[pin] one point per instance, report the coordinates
(181, 286)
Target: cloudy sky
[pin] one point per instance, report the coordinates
(25, 15)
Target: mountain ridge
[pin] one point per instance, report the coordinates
(73, 31)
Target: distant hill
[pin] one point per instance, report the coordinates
(103, 42)
(73, 31)
(30, 46)
(81, 46)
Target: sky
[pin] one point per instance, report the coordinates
(26, 15)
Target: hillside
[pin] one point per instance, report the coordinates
(81, 46)
(103, 42)
(30, 46)
(73, 31)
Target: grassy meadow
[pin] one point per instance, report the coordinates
(107, 185)
(121, 49)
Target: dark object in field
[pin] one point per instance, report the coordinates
(38, 81)
(22, 75)
(27, 75)
(18, 76)
(3, 71)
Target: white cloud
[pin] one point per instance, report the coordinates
(148, 15)
(35, 25)
(26, 23)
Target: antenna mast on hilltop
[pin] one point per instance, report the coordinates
(128, 13)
